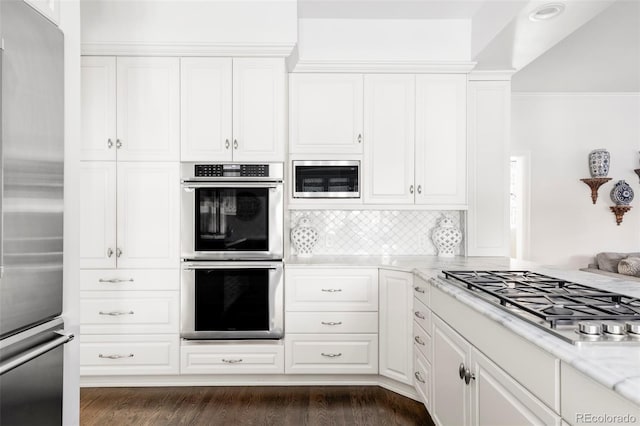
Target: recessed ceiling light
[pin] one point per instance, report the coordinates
(546, 12)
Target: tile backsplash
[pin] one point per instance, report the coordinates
(375, 232)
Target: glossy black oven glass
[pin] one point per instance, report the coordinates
(232, 300)
(230, 219)
(326, 178)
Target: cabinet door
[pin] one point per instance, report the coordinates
(451, 397)
(389, 121)
(259, 109)
(325, 113)
(441, 139)
(500, 400)
(396, 326)
(205, 115)
(148, 109)
(148, 215)
(98, 215)
(98, 94)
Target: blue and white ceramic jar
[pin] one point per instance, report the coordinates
(599, 160)
(622, 194)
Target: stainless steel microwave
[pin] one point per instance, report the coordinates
(326, 179)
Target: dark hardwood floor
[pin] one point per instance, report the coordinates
(240, 406)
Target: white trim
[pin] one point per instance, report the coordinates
(344, 66)
(191, 49)
(332, 205)
(573, 94)
(251, 380)
(491, 75)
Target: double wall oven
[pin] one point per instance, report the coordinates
(232, 246)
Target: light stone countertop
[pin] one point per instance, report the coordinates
(615, 366)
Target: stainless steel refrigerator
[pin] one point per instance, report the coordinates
(31, 204)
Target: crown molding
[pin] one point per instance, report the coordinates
(190, 49)
(345, 66)
(491, 75)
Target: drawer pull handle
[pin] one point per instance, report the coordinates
(332, 290)
(419, 314)
(419, 340)
(331, 355)
(232, 361)
(419, 289)
(115, 313)
(115, 356)
(331, 323)
(419, 377)
(115, 280)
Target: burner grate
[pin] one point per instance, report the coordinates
(553, 300)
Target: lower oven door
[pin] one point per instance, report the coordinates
(232, 300)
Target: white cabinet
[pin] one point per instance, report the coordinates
(389, 123)
(415, 134)
(396, 325)
(441, 161)
(226, 358)
(143, 96)
(326, 113)
(145, 208)
(233, 109)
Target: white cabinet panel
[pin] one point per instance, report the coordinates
(325, 113)
(259, 133)
(331, 322)
(98, 94)
(129, 279)
(422, 315)
(148, 215)
(331, 354)
(98, 214)
(422, 378)
(389, 122)
(205, 113)
(422, 291)
(129, 355)
(204, 358)
(148, 109)
(422, 341)
(441, 139)
(396, 324)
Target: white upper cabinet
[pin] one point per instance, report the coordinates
(98, 214)
(205, 85)
(259, 132)
(389, 122)
(148, 215)
(98, 93)
(441, 139)
(326, 113)
(233, 109)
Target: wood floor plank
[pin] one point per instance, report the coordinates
(250, 406)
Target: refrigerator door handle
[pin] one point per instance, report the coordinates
(18, 360)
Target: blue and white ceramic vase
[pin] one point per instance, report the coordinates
(599, 160)
(446, 237)
(304, 237)
(622, 194)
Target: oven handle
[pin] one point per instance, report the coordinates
(196, 185)
(192, 266)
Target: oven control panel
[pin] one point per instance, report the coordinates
(231, 170)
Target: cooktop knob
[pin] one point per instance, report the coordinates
(590, 328)
(633, 327)
(613, 327)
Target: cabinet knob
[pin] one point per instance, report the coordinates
(118, 144)
(118, 252)
(109, 252)
(411, 189)
(419, 189)
(235, 144)
(226, 144)
(359, 137)
(109, 143)
(461, 370)
(468, 376)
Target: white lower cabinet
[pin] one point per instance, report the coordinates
(144, 354)
(216, 358)
(331, 354)
(422, 378)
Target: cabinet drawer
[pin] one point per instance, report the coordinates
(422, 291)
(422, 377)
(213, 358)
(331, 322)
(320, 289)
(128, 312)
(422, 315)
(331, 354)
(422, 341)
(129, 355)
(129, 279)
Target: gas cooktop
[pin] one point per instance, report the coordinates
(574, 312)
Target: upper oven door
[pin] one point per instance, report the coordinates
(326, 179)
(232, 220)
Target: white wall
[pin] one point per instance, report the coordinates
(559, 130)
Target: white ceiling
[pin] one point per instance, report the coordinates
(388, 9)
(601, 56)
